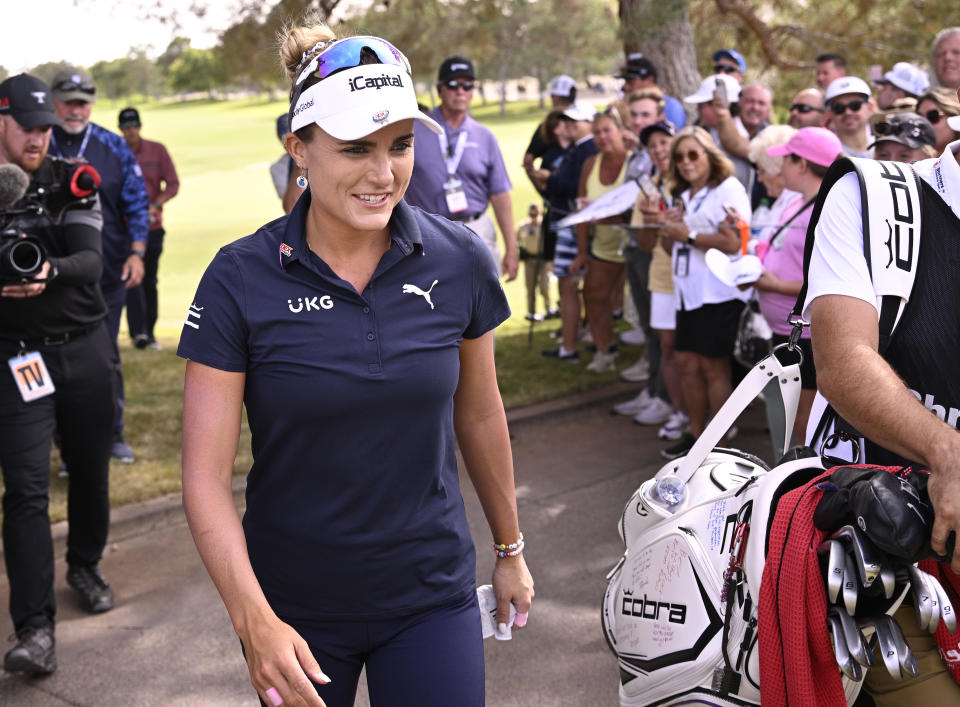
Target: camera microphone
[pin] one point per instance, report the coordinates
(13, 185)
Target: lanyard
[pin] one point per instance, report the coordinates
(706, 193)
(83, 145)
(778, 235)
(452, 161)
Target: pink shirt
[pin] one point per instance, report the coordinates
(159, 174)
(784, 258)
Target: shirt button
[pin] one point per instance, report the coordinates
(371, 336)
(366, 310)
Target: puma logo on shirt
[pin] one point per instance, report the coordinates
(413, 289)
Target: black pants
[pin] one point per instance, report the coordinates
(82, 408)
(142, 300)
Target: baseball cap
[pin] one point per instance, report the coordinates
(663, 126)
(129, 118)
(906, 77)
(733, 55)
(817, 145)
(847, 84)
(637, 67)
(72, 83)
(352, 101)
(704, 94)
(907, 129)
(455, 67)
(28, 100)
(562, 85)
(283, 126)
(580, 110)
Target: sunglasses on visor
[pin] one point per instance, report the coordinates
(347, 54)
(67, 86)
(908, 129)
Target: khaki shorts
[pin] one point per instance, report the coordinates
(934, 687)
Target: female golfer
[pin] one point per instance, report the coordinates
(358, 333)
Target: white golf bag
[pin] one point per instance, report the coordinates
(683, 633)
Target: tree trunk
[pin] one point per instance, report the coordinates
(661, 30)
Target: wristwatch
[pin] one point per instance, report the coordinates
(692, 239)
(137, 251)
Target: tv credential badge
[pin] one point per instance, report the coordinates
(31, 375)
(453, 187)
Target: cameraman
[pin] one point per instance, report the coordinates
(53, 324)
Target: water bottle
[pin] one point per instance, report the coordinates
(671, 490)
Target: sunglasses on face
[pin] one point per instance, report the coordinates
(67, 86)
(914, 130)
(841, 108)
(934, 116)
(804, 108)
(454, 85)
(724, 69)
(689, 156)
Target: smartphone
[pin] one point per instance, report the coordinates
(720, 94)
(647, 186)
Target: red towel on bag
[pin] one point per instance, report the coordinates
(793, 611)
(949, 643)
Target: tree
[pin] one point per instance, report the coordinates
(46, 71)
(197, 70)
(134, 75)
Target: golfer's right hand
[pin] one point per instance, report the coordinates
(280, 663)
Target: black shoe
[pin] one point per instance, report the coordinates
(553, 313)
(573, 356)
(141, 341)
(33, 653)
(96, 596)
(680, 448)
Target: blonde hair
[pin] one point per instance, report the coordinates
(299, 44)
(650, 94)
(720, 165)
(769, 137)
(945, 98)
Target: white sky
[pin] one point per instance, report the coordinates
(85, 31)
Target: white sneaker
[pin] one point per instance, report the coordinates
(656, 413)
(640, 371)
(602, 363)
(634, 406)
(634, 337)
(675, 426)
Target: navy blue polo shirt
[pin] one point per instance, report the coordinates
(353, 500)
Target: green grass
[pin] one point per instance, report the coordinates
(222, 151)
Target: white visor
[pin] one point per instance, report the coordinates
(355, 102)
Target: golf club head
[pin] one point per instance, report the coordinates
(922, 599)
(869, 559)
(908, 662)
(947, 612)
(851, 635)
(849, 584)
(888, 577)
(889, 649)
(835, 566)
(844, 660)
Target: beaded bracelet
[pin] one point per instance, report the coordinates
(511, 550)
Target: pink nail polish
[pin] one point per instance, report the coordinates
(521, 620)
(274, 696)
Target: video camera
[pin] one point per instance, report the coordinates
(26, 203)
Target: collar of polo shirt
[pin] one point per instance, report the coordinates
(404, 230)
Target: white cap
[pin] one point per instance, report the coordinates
(704, 94)
(355, 102)
(845, 85)
(580, 110)
(561, 85)
(954, 122)
(907, 77)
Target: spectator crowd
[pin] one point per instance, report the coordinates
(734, 181)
